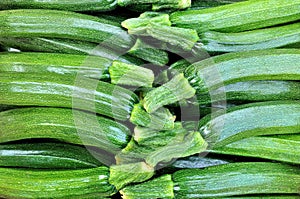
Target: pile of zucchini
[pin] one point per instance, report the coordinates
(141, 99)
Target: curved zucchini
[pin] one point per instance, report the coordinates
(237, 17)
(272, 64)
(46, 156)
(71, 126)
(271, 148)
(237, 179)
(262, 118)
(67, 91)
(273, 37)
(70, 5)
(84, 183)
(67, 46)
(63, 25)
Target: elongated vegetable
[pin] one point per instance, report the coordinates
(238, 17)
(67, 125)
(84, 183)
(46, 156)
(237, 179)
(70, 5)
(75, 26)
(264, 147)
(263, 118)
(273, 37)
(66, 91)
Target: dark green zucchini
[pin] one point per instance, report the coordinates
(262, 118)
(26, 89)
(237, 179)
(63, 25)
(83, 183)
(70, 5)
(237, 17)
(66, 46)
(46, 156)
(71, 126)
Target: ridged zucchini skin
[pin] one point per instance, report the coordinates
(237, 179)
(46, 156)
(63, 25)
(43, 63)
(65, 46)
(28, 89)
(253, 91)
(266, 38)
(271, 64)
(238, 17)
(69, 5)
(83, 183)
(261, 118)
(71, 126)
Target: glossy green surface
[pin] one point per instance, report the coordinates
(262, 118)
(217, 71)
(237, 179)
(48, 63)
(66, 125)
(46, 156)
(238, 17)
(78, 92)
(62, 24)
(84, 183)
(271, 148)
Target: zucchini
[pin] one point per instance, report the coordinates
(83, 183)
(70, 5)
(74, 26)
(261, 118)
(46, 155)
(202, 4)
(237, 17)
(273, 37)
(237, 179)
(30, 89)
(71, 126)
(65, 46)
(272, 64)
(263, 147)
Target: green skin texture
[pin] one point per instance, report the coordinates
(70, 5)
(75, 26)
(237, 17)
(215, 72)
(262, 118)
(46, 155)
(66, 125)
(28, 89)
(237, 179)
(273, 37)
(264, 147)
(84, 183)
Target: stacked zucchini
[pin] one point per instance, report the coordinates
(89, 107)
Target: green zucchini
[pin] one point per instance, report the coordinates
(261, 118)
(74, 26)
(83, 183)
(70, 5)
(251, 91)
(66, 46)
(30, 89)
(237, 179)
(273, 37)
(263, 147)
(46, 155)
(71, 126)
(237, 17)
(272, 64)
